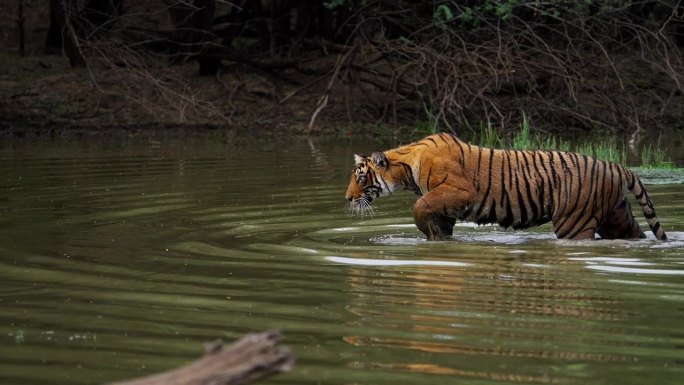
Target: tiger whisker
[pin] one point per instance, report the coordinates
(360, 208)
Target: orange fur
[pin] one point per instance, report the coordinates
(455, 180)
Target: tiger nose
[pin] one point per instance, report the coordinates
(349, 198)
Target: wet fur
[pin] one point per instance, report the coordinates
(455, 180)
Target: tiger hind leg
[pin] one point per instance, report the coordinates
(579, 226)
(620, 224)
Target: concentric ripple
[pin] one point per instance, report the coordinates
(119, 259)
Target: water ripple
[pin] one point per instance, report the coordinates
(118, 266)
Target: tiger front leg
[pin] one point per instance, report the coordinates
(431, 216)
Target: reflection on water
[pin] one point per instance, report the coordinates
(119, 258)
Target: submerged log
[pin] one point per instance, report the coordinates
(251, 358)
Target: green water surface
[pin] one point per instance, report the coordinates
(120, 257)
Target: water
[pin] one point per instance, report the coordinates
(120, 257)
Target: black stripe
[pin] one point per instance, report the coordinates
(521, 204)
(509, 218)
(503, 198)
(567, 177)
(611, 185)
(432, 140)
(568, 213)
(541, 178)
(643, 191)
(640, 195)
(593, 180)
(650, 216)
(566, 167)
(554, 175)
(603, 185)
(580, 228)
(441, 136)
(443, 180)
(489, 185)
(522, 207)
(541, 184)
(548, 187)
(477, 179)
(460, 147)
(535, 210)
(409, 182)
(555, 188)
(630, 183)
(491, 215)
(621, 180)
(655, 228)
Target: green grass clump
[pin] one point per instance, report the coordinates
(430, 126)
(607, 150)
(523, 140)
(553, 143)
(488, 137)
(654, 157)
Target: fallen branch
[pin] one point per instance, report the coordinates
(251, 358)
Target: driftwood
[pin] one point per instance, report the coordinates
(252, 357)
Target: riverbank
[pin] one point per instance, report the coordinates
(43, 95)
(428, 68)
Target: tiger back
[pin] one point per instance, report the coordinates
(454, 180)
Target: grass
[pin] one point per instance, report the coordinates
(488, 137)
(604, 150)
(428, 127)
(609, 150)
(655, 157)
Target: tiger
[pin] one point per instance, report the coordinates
(454, 180)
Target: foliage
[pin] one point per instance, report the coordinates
(604, 150)
(488, 137)
(474, 16)
(430, 126)
(610, 150)
(443, 14)
(332, 4)
(569, 64)
(655, 157)
(523, 140)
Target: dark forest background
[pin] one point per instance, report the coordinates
(312, 66)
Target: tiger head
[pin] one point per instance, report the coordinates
(370, 179)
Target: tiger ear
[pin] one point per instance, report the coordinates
(380, 159)
(359, 158)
